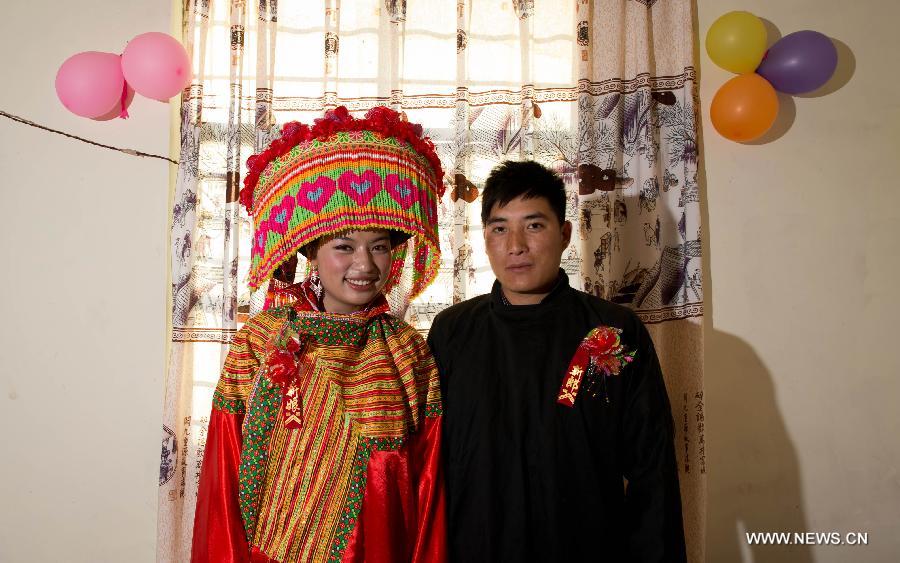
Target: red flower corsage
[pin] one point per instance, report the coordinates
(600, 355)
(282, 362)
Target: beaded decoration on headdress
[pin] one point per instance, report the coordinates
(345, 174)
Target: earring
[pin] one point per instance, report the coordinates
(315, 282)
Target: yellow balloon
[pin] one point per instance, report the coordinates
(737, 42)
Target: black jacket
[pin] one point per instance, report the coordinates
(532, 480)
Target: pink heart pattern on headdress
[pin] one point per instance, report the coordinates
(360, 188)
(314, 195)
(281, 214)
(402, 191)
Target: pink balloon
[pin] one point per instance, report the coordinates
(156, 65)
(89, 84)
(120, 109)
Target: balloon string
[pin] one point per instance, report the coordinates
(131, 152)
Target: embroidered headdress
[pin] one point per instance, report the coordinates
(345, 174)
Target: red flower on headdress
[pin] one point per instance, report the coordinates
(292, 129)
(277, 146)
(383, 119)
(246, 196)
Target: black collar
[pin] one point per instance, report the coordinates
(561, 287)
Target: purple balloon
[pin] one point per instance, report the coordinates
(799, 62)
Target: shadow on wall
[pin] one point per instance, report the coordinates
(787, 113)
(754, 476)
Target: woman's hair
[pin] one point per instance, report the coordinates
(310, 250)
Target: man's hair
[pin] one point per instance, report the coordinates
(527, 179)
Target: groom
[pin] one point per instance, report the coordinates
(558, 435)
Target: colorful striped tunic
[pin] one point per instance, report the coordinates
(342, 464)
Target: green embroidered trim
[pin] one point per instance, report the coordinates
(332, 331)
(390, 327)
(434, 409)
(356, 491)
(233, 406)
(257, 431)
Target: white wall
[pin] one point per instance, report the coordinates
(802, 358)
(83, 297)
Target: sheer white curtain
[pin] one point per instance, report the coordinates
(601, 90)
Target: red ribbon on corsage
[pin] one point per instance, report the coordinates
(284, 366)
(600, 355)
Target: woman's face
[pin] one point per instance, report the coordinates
(353, 268)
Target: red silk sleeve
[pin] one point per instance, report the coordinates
(427, 472)
(219, 535)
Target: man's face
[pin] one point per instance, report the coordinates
(524, 243)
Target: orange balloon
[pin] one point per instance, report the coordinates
(744, 108)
